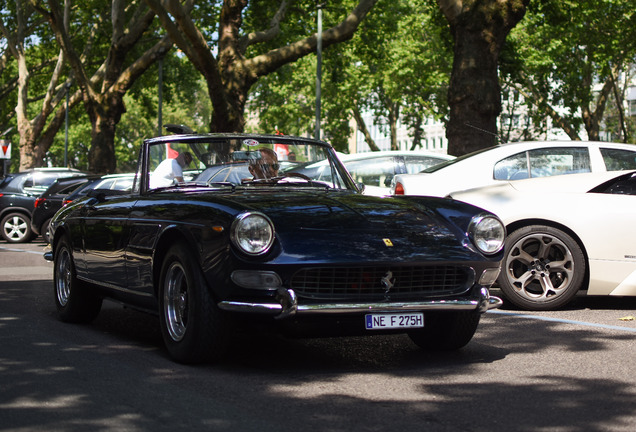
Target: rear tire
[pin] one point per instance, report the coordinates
(74, 300)
(446, 331)
(16, 228)
(194, 329)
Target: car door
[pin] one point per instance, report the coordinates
(105, 234)
(611, 240)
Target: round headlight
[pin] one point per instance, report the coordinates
(252, 233)
(487, 233)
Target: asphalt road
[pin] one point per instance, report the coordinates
(571, 370)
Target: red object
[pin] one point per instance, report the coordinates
(172, 154)
(282, 151)
(399, 189)
(38, 202)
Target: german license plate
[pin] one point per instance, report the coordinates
(394, 321)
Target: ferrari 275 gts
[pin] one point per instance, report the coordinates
(221, 231)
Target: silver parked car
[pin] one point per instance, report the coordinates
(375, 170)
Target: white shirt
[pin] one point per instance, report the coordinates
(165, 173)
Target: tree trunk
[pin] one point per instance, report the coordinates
(479, 29)
(31, 147)
(104, 118)
(417, 134)
(362, 127)
(230, 76)
(103, 93)
(394, 115)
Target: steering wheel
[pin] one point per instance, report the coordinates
(295, 174)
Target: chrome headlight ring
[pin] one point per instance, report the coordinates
(252, 233)
(487, 233)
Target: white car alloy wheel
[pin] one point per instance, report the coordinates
(543, 268)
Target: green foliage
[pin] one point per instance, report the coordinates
(402, 54)
(563, 51)
(185, 100)
(400, 58)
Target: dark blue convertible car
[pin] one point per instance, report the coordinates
(223, 231)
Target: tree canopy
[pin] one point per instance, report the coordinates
(234, 65)
(569, 60)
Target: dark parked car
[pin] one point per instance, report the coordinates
(47, 204)
(277, 249)
(18, 193)
(66, 190)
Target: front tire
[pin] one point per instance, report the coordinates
(16, 228)
(543, 268)
(194, 329)
(74, 300)
(446, 331)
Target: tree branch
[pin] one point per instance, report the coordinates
(265, 35)
(264, 64)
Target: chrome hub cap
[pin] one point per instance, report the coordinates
(63, 278)
(175, 302)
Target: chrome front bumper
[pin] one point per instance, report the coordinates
(288, 305)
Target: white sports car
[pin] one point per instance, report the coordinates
(516, 161)
(565, 234)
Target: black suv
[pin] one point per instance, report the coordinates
(18, 193)
(53, 199)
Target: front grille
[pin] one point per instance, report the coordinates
(371, 283)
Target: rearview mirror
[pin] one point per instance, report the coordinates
(246, 155)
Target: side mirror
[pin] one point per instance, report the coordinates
(98, 194)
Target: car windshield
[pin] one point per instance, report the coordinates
(453, 161)
(243, 161)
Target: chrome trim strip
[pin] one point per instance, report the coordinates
(115, 287)
(328, 308)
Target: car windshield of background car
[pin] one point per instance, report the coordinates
(453, 161)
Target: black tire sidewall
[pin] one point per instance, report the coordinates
(205, 337)
(82, 306)
(45, 230)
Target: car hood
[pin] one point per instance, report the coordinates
(316, 226)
